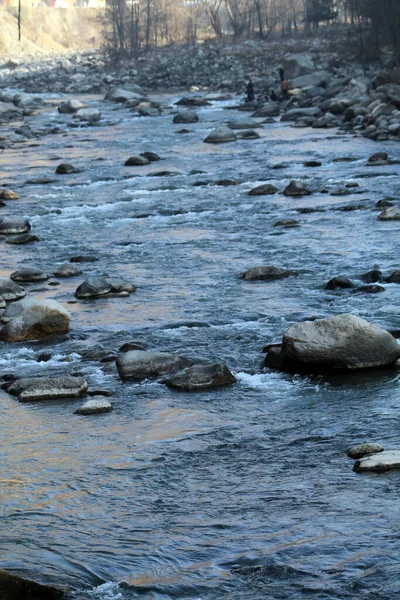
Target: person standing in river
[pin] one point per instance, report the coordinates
(250, 92)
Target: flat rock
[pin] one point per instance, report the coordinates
(221, 135)
(270, 109)
(12, 225)
(300, 113)
(197, 101)
(267, 273)
(67, 270)
(361, 450)
(339, 343)
(48, 388)
(139, 364)
(201, 377)
(264, 189)
(95, 406)
(379, 462)
(28, 275)
(25, 238)
(33, 319)
(13, 587)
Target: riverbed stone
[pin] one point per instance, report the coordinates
(201, 377)
(48, 388)
(361, 450)
(151, 156)
(296, 188)
(139, 364)
(269, 109)
(393, 277)
(35, 320)
(196, 101)
(339, 283)
(300, 113)
(187, 116)
(91, 115)
(70, 106)
(379, 462)
(82, 258)
(136, 161)
(391, 213)
(221, 135)
(25, 238)
(66, 169)
(119, 94)
(13, 587)
(9, 290)
(93, 286)
(339, 343)
(11, 225)
(378, 159)
(267, 273)
(29, 274)
(8, 195)
(372, 276)
(98, 405)
(67, 270)
(264, 189)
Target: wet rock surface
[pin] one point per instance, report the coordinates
(140, 364)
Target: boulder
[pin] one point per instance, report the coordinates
(149, 111)
(94, 407)
(70, 107)
(188, 116)
(117, 94)
(36, 319)
(313, 80)
(296, 188)
(339, 343)
(288, 223)
(389, 214)
(339, 283)
(248, 134)
(48, 388)
(269, 273)
(12, 225)
(241, 124)
(269, 109)
(298, 64)
(27, 275)
(264, 189)
(379, 462)
(220, 135)
(67, 270)
(299, 113)
(66, 169)
(9, 290)
(197, 101)
(361, 450)
(13, 587)
(8, 195)
(139, 364)
(151, 156)
(394, 277)
(372, 276)
(201, 377)
(9, 112)
(312, 163)
(378, 159)
(91, 115)
(393, 95)
(25, 238)
(136, 161)
(93, 286)
(81, 258)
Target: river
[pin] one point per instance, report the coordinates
(244, 492)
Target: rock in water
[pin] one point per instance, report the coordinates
(28, 275)
(139, 364)
(14, 225)
(70, 106)
(188, 116)
(136, 161)
(389, 214)
(48, 388)
(93, 286)
(66, 169)
(263, 190)
(91, 115)
(379, 462)
(339, 283)
(201, 377)
(25, 238)
(67, 270)
(339, 343)
(296, 188)
(8, 195)
(94, 407)
(269, 273)
(9, 290)
(394, 277)
(36, 320)
(362, 449)
(13, 587)
(221, 135)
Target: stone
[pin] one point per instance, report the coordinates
(188, 116)
(151, 156)
(378, 159)
(201, 377)
(378, 462)
(312, 163)
(372, 276)
(91, 115)
(361, 450)
(117, 94)
(12, 225)
(136, 161)
(8, 195)
(221, 135)
(389, 214)
(92, 287)
(264, 189)
(299, 113)
(96, 406)
(242, 124)
(13, 587)
(296, 188)
(269, 109)
(249, 134)
(268, 273)
(369, 289)
(25, 238)
(9, 112)
(67, 270)
(296, 65)
(340, 343)
(27, 275)
(9, 290)
(70, 106)
(35, 320)
(317, 79)
(193, 102)
(139, 364)
(339, 283)
(149, 111)
(133, 345)
(65, 169)
(394, 277)
(288, 223)
(48, 388)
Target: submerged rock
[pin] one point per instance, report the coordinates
(339, 283)
(221, 135)
(25, 238)
(188, 116)
(379, 462)
(296, 188)
(139, 364)
(66, 169)
(201, 377)
(12, 225)
(372, 276)
(268, 273)
(28, 275)
(136, 161)
(83, 258)
(94, 407)
(67, 270)
(339, 343)
(151, 156)
(361, 450)
(48, 388)
(13, 587)
(393, 277)
(264, 189)
(35, 319)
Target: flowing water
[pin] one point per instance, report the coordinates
(244, 492)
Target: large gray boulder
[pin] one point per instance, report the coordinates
(34, 319)
(95, 406)
(379, 462)
(11, 225)
(220, 135)
(48, 388)
(139, 364)
(265, 189)
(91, 115)
(201, 377)
(298, 64)
(70, 106)
(298, 113)
(131, 92)
(28, 275)
(339, 343)
(68, 270)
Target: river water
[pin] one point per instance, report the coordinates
(244, 492)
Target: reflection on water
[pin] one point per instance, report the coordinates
(242, 493)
